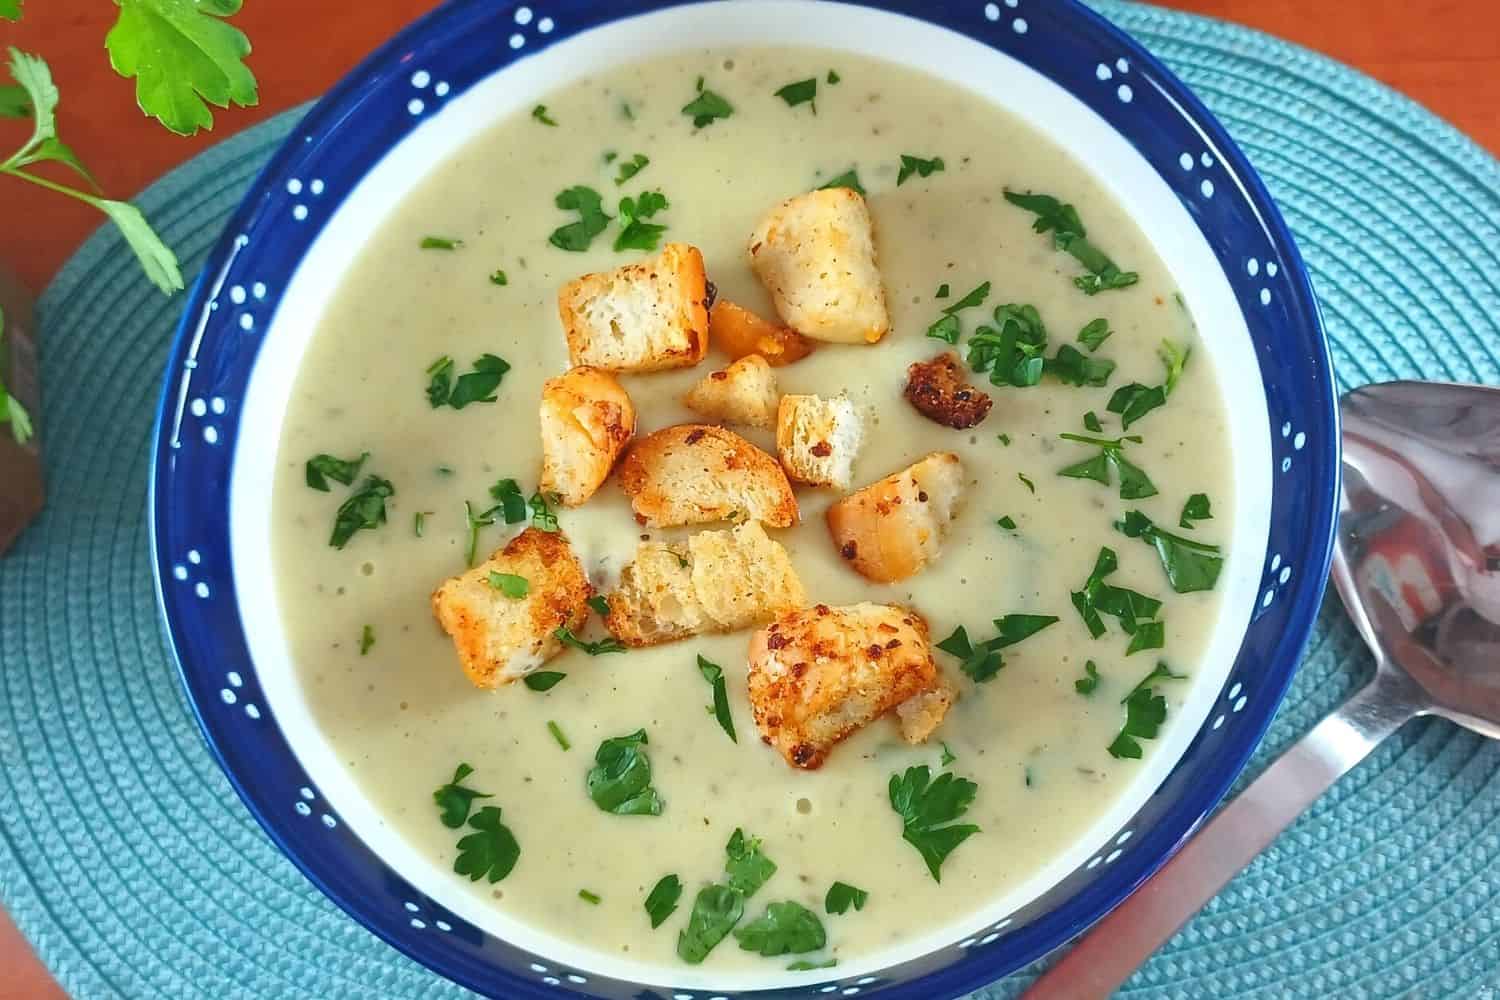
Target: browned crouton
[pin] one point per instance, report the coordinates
(586, 418)
(743, 393)
(892, 528)
(695, 473)
(921, 714)
(819, 674)
(640, 317)
(501, 639)
(941, 393)
(737, 331)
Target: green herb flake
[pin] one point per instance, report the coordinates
(539, 113)
(1175, 360)
(441, 243)
(454, 799)
(565, 635)
(1015, 628)
(746, 865)
(1072, 367)
(833, 77)
(512, 586)
(1145, 711)
(707, 107)
(1026, 481)
(1197, 508)
(916, 165)
(509, 501)
(841, 896)
(975, 297)
(557, 734)
(1134, 483)
(593, 899)
(363, 511)
(800, 92)
(321, 468)
(635, 233)
(599, 603)
(499, 277)
(1027, 776)
(945, 329)
(661, 903)
(1148, 636)
(366, 639)
(542, 516)
(1007, 522)
(848, 179)
(610, 156)
(1086, 684)
(477, 386)
(948, 756)
(543, 680)
(1004, 439)
(943, 291)
(419, 522)
(979, 662)
(620, 780)
(786, 928)
(1012, 351)
(803, 965)
(1091, 422)
(629, 168)
(491, 851)
(1134, 401)
(1094, 333)
(1069, 236)
(714, 674)
(928, 809)
(1131, 609)
(1190, 565)
(576, 236)
(716, 909)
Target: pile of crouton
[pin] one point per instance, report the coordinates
(816, 673)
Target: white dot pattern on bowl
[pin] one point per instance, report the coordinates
(991, 12)
(252, 710)
(1019, 26)
(1125, 93)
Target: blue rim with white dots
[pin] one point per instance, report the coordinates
(375, 107)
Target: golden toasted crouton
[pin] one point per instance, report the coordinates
(739, 332)
(815, 253)
(586, 418)
(817, 439)
(641, 317)
(743, 393)
(891, 529)
(719, 581)
(921, 714)
(501, 639)
(819, 674)
(941, 393)
(695, 473)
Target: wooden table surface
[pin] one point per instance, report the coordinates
(1443, 53)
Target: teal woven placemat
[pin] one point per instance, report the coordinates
(129, 863)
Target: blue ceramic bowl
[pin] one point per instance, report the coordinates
(445, 78)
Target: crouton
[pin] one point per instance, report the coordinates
(743, 393)
(718, 581)
(819, 674)
(695, 473)
(738, 332)
(921, 714)
(817, 439)
(941, 393)
(891, 529)
(502, 639)
(586, 418)
(642, 317)
(815, 254)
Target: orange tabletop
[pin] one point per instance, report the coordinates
(1443, 53)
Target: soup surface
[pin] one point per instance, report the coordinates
(383, 680)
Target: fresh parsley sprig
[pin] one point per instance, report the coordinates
(706, 107)
(454, 799)
(1190, 565)
(1134, 483)
(662, 900)
(916, 165)
(363, 511)
(982, 661)
(477, 386)
(786, 928)
(928, 809)
(1135, 612)
(635, 233)
(1145, 711)
(719, 906)
(620, 780)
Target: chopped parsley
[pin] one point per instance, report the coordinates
(1196, 509)
(976, 297)
(477, 386)
(441, 243)
(454, 799)
(1134, 401)
(916, 165)
(557, 734)
(662, 900)
(948, 756)
(419, 521)
(1086, 684)
(848, 179)
(1175, 359)
(599, 603)
(1013, 351)
(576, 236)
(635, 233)
(1007, 522)
(363, 511)
(1072, 367)
(507, 495)
(498, 277)
(1016, 627)
(1190, 565)
(1145, 711)
(801, 92)
(1069, 236)
(746, 864)
(841, 896)
(543, 680)
(803, 965)
(593, 899)
(1004, 439)
(620, 780)
(980, 662)
(786, 928)
(1135, 612)
(565, 635)
(1094, 333)
(1148, 636)
(366, 639)
(1134, 483)
(491, 851)
(714, 674)
(705, 108)
(321, 468)
(928, 809)
(1026, 481)
(540, 114)
(833, 76)
(512, 586)
(942, 292)
(716, 909)
(946, 328)
(629, 168)
(542, 516)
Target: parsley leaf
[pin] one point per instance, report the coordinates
(181, 56)
(1175, 359)
(916, 165)
(945, 329)
(499, 278)
(833, 76)
(1013, 353)
(841, 896)
(714, 674)
(510, 503)
(454, 800)
(1134, 483)
(1148, 635)
(540, 114)
(706, 107)
(557, 734)
(542, 516)
(477, 386)
(800, 92)
(942, 292)
(591, 898)
(364, 510)
(1091, 422)
(1196, 509)
(1094, 333)
(662, 901)
(948, 756)
(576, 236)
(716, 909)
(1014, 628)
(848, 179)
(1086, 684)
(925, 805)
(1026, 481)
(629, 168)
(366, 640)
(976, 297)
(1007, 522)
(636, 234)
(512, 586)
(440, 243)
(803, 965)
(1190, 565)
(321, 468)
(980, 662)
(1145, 711)
(747, 866)
(544, 680)
(1134, 401)
(620, 780)
(491, 851)
(565, 635)
(599, 603)
(1069, 236)
(1072, 367)
(10, 10)
(1133, 610)
(419, 521)
(786, 928)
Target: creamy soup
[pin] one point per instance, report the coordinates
(383, 680)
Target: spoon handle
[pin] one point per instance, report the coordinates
(1117, 945)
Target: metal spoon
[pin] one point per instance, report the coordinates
(1417, 563)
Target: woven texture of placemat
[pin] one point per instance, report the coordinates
(135, 871)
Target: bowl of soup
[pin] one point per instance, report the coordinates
(744, 499)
